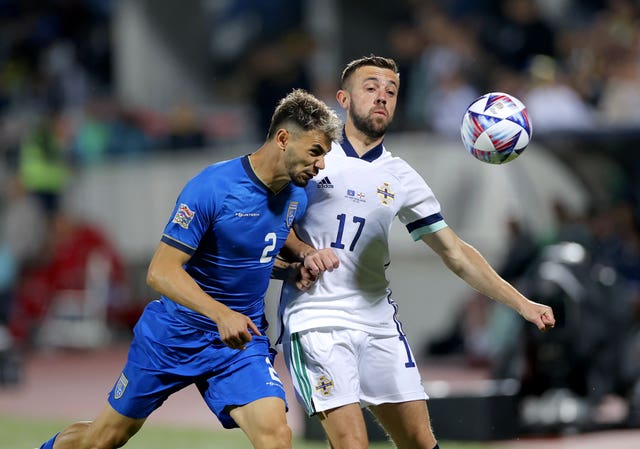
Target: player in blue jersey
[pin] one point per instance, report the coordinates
(343, 342)
(212, 268)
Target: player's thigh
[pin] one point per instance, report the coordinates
(345, 427)
(323, 367)
(264, 421)
(388, 372)
(249, 378)
(407, 423)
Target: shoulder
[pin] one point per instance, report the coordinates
(213, 180)
(227, 166)
(396, 165)
(221, 173)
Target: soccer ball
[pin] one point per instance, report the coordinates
(496, 128)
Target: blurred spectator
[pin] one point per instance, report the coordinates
(518, 33)
(505, 79)
(620, 97)
(22, 234)
(63, 267)
(237, 25)
(277, 66)
(553, 104)
(127, 139)
(449, 101)
(43, 164)
(109, 131)
(407, 44)
(440, 86)
(186, 130)
(93, 134)
(68, 81)
(617, 240)
(569, 226)
(23, 227)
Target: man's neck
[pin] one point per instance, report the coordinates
(360, 142)
(264, 169)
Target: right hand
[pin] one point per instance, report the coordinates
(235, 329)
(321, 260)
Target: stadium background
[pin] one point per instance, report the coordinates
(109, 106)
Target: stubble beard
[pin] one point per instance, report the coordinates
(298, 179)
(300, 182)
(368, 125)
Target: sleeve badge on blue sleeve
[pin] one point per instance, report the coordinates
(183, 216)
(121, 385)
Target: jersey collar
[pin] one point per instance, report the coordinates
(370, 156)
(246, 164)
(252, 175)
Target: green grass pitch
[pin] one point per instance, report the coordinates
(24, 433)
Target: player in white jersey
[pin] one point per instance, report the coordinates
(355, 202)
(343, 342)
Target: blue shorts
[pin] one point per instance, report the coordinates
(167, 355)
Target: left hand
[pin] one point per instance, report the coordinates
(539, 314)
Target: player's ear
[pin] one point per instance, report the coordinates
(343, 98)
(282, 137)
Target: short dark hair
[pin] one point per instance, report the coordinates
(306, 112)
(371, 60)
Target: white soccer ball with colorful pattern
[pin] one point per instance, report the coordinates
(496, 128)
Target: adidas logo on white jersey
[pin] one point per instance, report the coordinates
(325, 183)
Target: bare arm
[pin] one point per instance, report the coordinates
(293, 272)
(315, 260)
(301, 264)
(468, 264)
(167, 276)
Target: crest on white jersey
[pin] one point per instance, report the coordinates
(324, 385)
(385, 193)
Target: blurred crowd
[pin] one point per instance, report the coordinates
(574, 63)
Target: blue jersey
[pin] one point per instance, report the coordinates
(233, 226)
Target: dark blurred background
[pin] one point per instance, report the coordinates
(108, 106)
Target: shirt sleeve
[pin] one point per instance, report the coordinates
(192, 214)
(421, 212)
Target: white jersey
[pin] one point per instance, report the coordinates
(352, 204)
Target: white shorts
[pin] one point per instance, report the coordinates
(335, 367)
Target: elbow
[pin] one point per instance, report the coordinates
(152, 279)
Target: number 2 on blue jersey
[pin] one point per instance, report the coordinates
(342, 218)
(270, 239)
